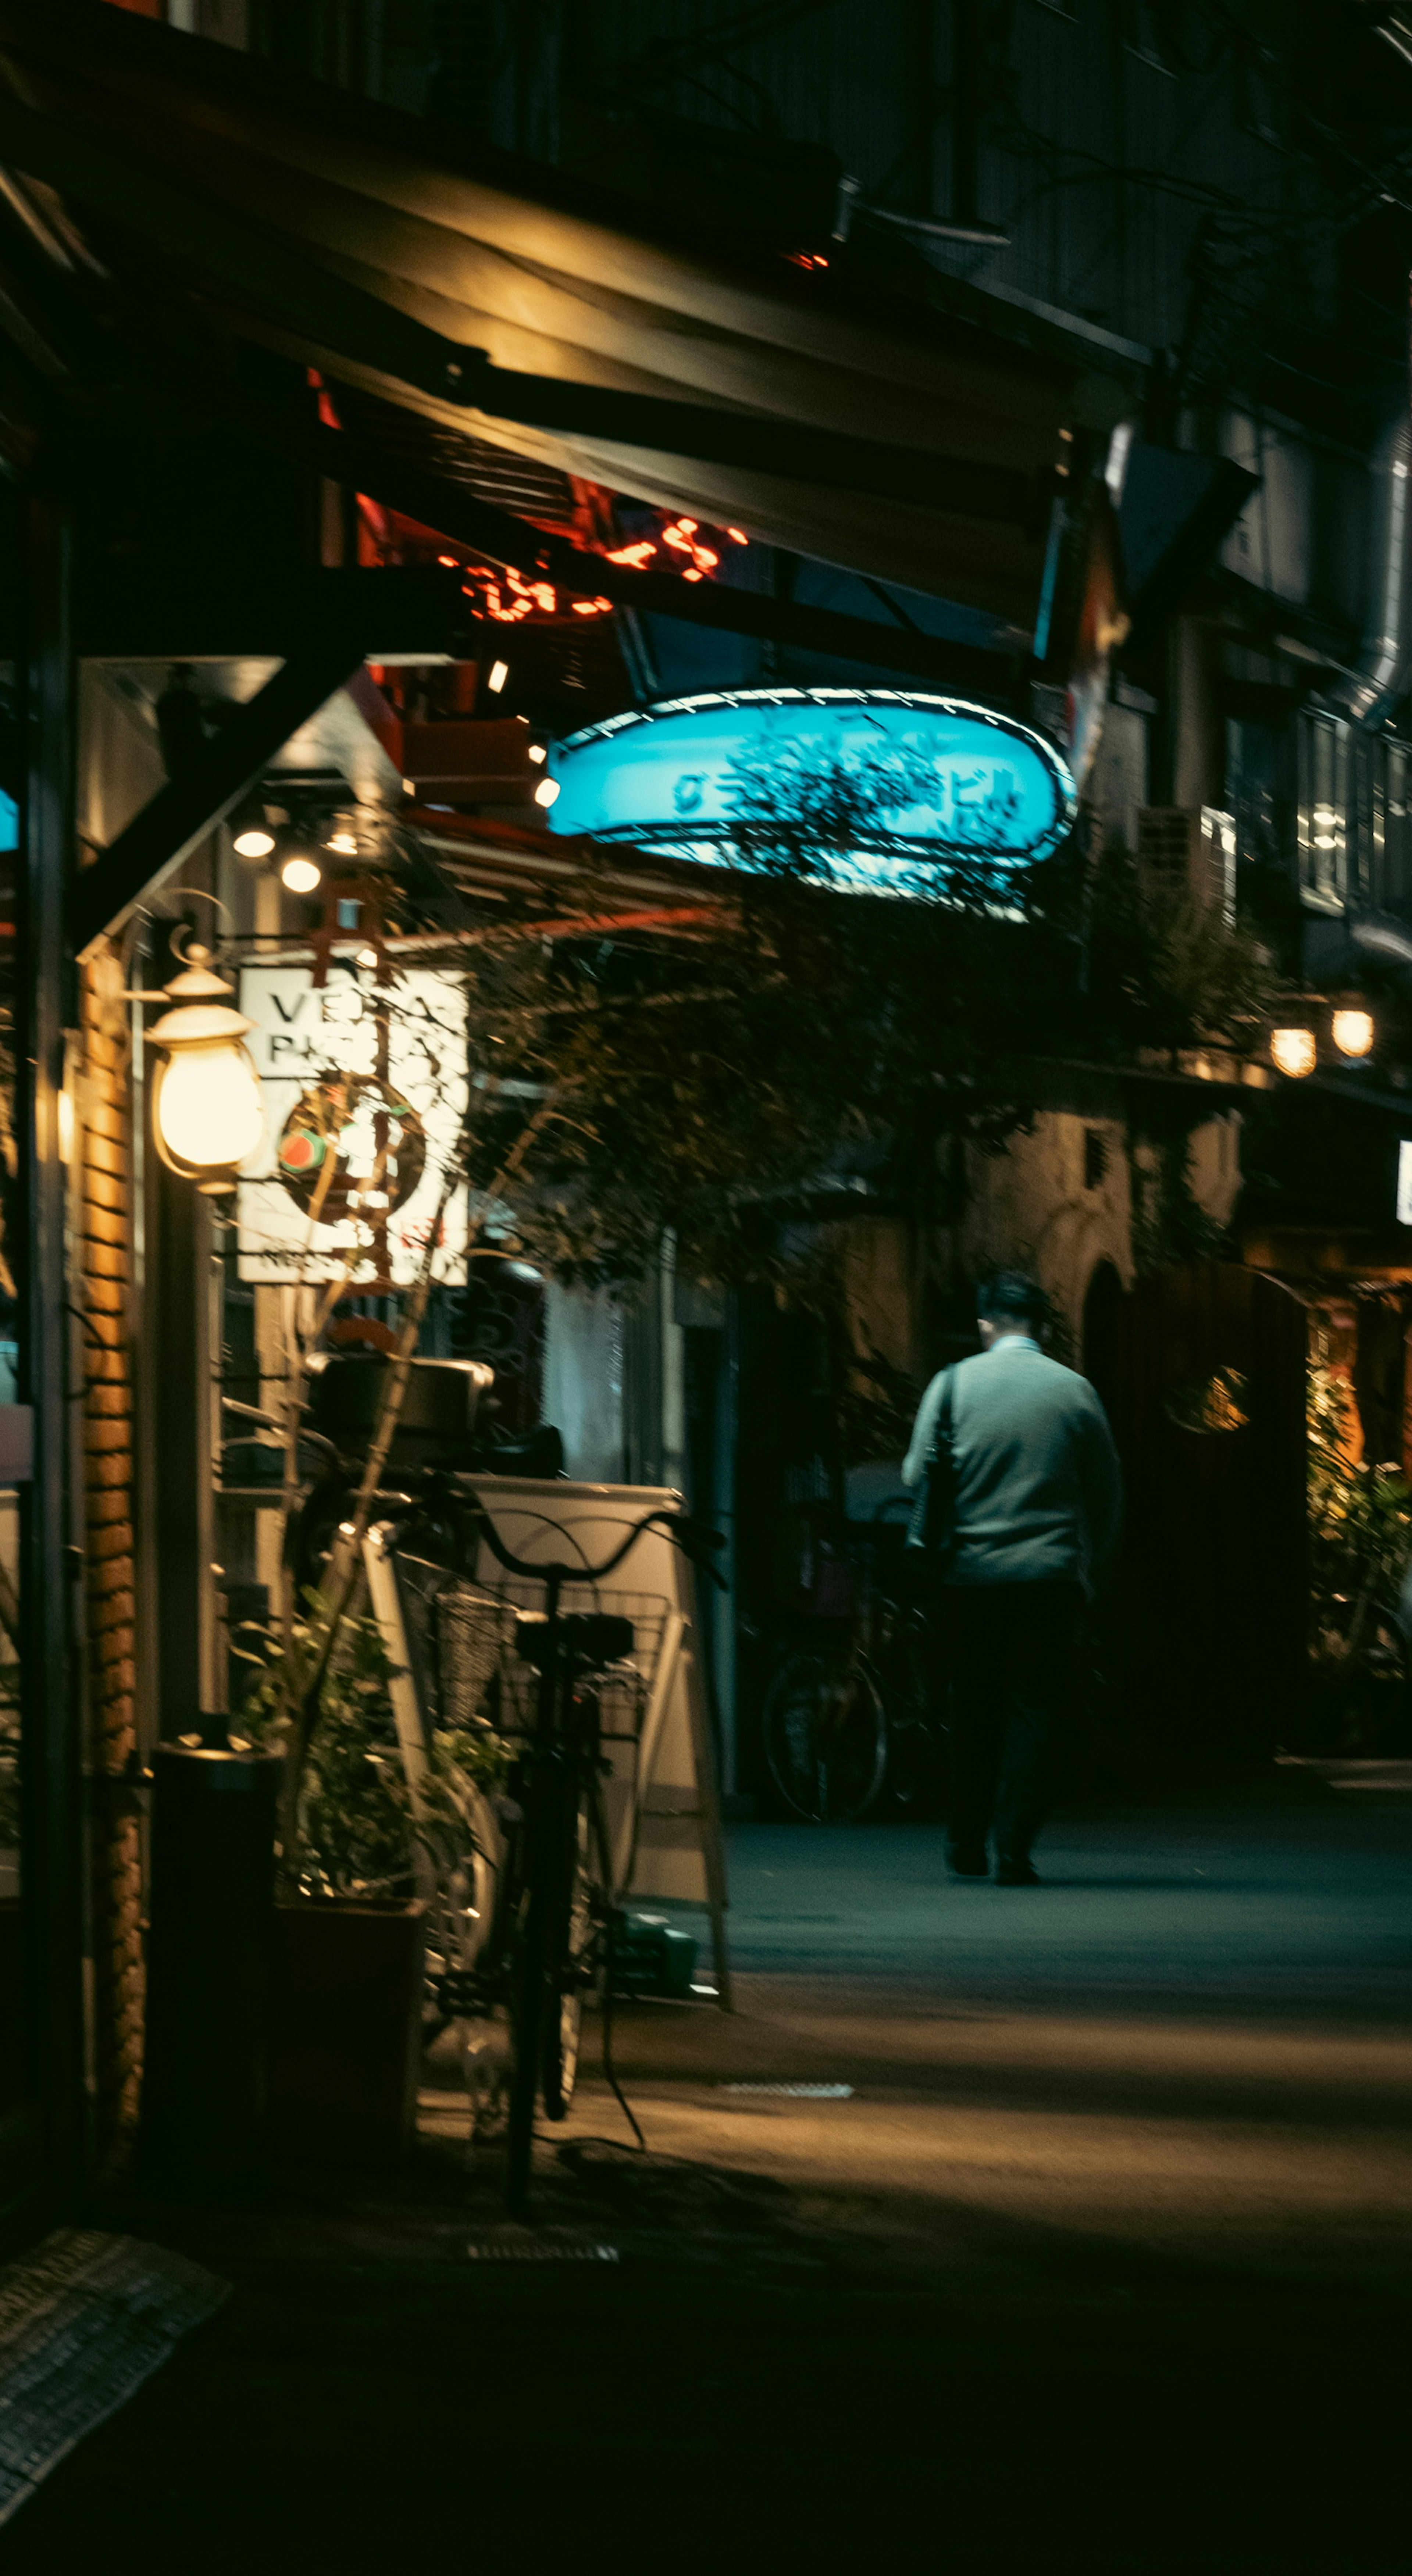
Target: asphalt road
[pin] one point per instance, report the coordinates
(1102, 2260)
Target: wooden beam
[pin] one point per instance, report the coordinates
(180, 815)
(275, 280)
(436, 502)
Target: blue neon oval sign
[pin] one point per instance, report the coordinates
(890, 789)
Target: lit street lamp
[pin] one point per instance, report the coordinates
(1294, 1051)
(1353, 1032)
(206, 1101)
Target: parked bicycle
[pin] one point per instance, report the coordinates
(561, 1927)
(525, 1921)
(851, 1722)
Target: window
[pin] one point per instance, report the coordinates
(1323, 812)
(1355, 834)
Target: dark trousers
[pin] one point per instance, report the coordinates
(1012, 1662)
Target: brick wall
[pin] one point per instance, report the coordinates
(103, 1258)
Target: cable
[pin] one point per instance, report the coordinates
(609, 2069)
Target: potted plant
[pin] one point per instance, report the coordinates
(350, 1932)
(1360, 1534)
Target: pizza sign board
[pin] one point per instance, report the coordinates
(374, 1083)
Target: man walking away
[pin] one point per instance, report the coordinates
(1030, 1484)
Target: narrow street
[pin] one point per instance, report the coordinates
(1103, 2260)
(705, 1117)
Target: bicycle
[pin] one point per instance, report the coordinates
(563, 1923)
(840, 1727)
(530, 1926)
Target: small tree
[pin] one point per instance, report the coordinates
(801, 811)
(1360, 1537)
(354, 1832)
(626, 1085)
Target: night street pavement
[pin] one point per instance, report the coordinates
(1103, 2262)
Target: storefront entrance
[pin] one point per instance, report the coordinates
(1203, 1375)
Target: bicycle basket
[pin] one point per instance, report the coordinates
(459, 1639)
(478, 1670)
(466, 1616)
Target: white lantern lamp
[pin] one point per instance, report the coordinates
(206, 1102)
(1353, 1030)
(1295, 1051)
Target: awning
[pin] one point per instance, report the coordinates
(494, 302)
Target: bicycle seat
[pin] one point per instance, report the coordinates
(590, 1638)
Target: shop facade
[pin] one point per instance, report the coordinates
(396, 454)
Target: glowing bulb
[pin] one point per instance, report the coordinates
(301, 875)
(344, 843)
(537, 751)
(546, 792)
(207, 1105)
(209, 1111)
(257, 843)
(1353, 1032)
(1294, 1051)
(499, 674)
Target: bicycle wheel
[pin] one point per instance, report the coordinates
(527, 2002)
(917, 1744)
(825, 1734)
(570, 1959)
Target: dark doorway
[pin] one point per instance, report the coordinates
(1207, 1401)
(1102, 1306)
(1378, 1377)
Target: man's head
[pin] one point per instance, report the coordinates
(1011, 1302)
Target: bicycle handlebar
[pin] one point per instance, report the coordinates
(692, 1537)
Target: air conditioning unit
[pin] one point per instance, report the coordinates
(1188, 852)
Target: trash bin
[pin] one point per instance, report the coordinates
(208, 1959)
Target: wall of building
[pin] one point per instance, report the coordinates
(583, 1380)
(1057, 1202)
(614, 1380)
(102, 1271)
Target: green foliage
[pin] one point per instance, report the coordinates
(9, 1756)
(1360, 1536)
(1169, 1225)
(710, 1081)
(1159, 970)
(706, 1086)
(801, 811)
(356, 1830)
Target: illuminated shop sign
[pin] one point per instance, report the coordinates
(364, 1095)
(886, 786)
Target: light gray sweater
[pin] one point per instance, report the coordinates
(1038, 1495)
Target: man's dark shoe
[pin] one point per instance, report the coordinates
(967, 1860)
(1017, 1873)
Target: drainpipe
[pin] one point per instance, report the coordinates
(1366, 695)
